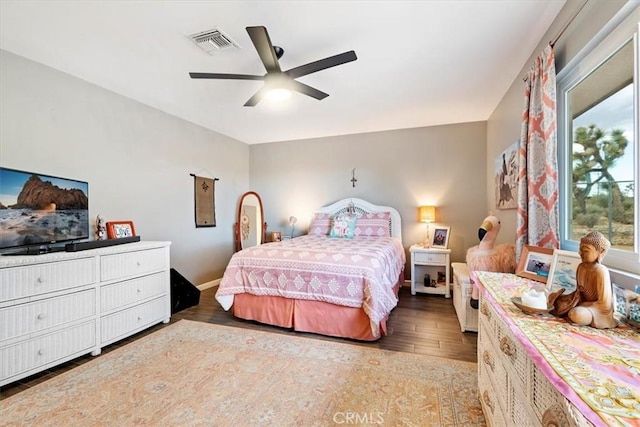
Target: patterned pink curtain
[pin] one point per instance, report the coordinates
(537, 222)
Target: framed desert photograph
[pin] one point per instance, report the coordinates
(535, 263)
(441, 237)
(563, 270)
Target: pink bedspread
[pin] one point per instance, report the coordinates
(349, 272)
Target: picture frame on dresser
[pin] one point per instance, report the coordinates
(440, 237)
(535, 263)
(120, 229)
(563, 270)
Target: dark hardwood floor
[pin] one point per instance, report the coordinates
(423, 324)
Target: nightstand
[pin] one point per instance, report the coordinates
(436, 263)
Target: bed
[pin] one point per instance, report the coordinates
(344, 286)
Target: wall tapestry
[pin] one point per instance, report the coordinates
(205, 205)
(506, 177)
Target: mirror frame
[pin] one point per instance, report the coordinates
(263, 233)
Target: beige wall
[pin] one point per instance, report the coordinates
(503, 127)
(136, 159)
(441, 165)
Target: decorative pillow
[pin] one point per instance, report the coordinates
(373, 224)
(320, 224)
(627, 305)
(343, 225)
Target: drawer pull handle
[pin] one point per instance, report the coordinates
(485, 310)
(139, 290)
(486, 358)
(41, 316)
(554, 416)
(139, 317)
(41, 352)
(40, 280)
(506, 347)
(138, 263)
(487, 400)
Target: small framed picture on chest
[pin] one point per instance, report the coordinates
(120, 229)
(563, 270)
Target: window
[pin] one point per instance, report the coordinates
(598, 142)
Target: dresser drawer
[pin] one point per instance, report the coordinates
(513, 353)
(125, 322)
(28, 281)
(129, 292)
(487, 395)
(490, 362)
(32, 317)
(136, 263)
(427, 258)
(519, 414)
(29, 355)
(510, 348)
(551, 407)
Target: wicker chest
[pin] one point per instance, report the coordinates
(539, 370)
(462, 287)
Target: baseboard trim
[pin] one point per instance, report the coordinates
(208, 285)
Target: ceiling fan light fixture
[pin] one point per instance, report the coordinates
(278, 94)
(279, 84)
(278, 87)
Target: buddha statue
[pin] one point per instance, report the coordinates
(595, 294)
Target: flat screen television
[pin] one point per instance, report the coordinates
(39, 210)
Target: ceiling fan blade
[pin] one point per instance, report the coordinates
(257, 97)
(225, 76)
(260, 38)
(322, 64)
(308, 90)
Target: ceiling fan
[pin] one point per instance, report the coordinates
(275, 77)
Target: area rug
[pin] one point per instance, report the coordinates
(199, 374)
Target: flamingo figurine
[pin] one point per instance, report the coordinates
(487, 256)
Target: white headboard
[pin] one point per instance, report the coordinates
(362, 206)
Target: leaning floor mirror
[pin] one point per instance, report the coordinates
(250, 228)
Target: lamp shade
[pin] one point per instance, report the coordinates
(427, 213)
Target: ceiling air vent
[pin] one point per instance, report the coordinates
(213, 40)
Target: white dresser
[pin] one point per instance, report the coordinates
(541, 370)
(513, 391)
(56, 307)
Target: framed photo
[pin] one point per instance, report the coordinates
(441, 237)
(535, 263)
(563, 270)
(506, 177)
(119, 229)
(276, 236)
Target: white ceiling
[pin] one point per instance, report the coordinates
(420, 63)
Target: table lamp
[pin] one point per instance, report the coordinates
(427, 214)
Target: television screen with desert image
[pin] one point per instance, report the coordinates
(37, 209)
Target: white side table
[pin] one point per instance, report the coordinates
(430, 261)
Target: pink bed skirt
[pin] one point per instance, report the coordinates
(318, 317)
